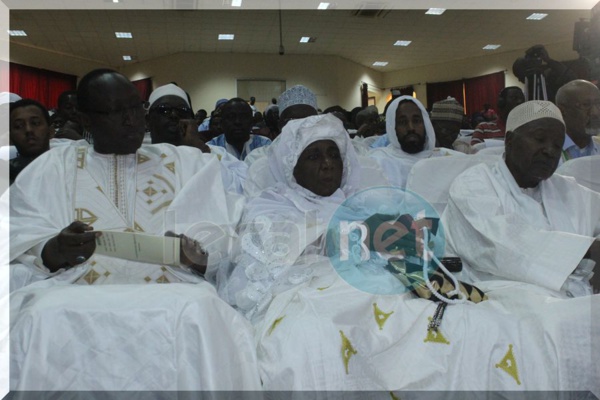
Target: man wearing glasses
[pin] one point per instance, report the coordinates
(579, 103)
(170, 118)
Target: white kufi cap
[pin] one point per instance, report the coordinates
(531, 111)
(166, 90)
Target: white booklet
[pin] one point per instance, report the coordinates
(139, 247)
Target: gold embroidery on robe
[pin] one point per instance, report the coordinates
(435, 336)
(274, 325)
(347, 350)
(509, 364)
(85, 215)
(380, 316)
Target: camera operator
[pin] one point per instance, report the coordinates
(538, 62)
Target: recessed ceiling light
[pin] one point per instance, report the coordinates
(537, 16)
(380, 63)
(402, 43)
(115, 1)
(17, 33)
(435, 11)
(491, 47)
(226, 36)
(236, 3)
(123, 35)
(127, 58)
(323, 6)
(304, 39)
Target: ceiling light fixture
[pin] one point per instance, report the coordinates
(380, 63)
(127, 58)
(115, 1)
(17, 33)
(226, 36)
(236, 3)
(304, 39)
(537, 16)
(123, 35)
(323, 6)
(435, 11)
(402, 43)
(491, 47)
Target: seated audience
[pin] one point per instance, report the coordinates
(30, 132)
(59, 208)
(206, 124)
(509, 98)
(170, 118)
(295, 103)
(446, 118)
(236, 123)
(579, 102)
(316, 331)
(518, 220)
(66, 120)
(411, 136)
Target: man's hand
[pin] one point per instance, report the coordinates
(72, 246)
(192, 255)
(189, 135)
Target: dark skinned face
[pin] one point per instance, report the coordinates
(29, 131)
(117, 118)
(533, 151)
(410, 128)
(163, 119)
(320, 168)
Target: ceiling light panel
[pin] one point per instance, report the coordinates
(323, 6)
(226, 36)
(491, 47)
(537, 16)
(123, 35)
(435, 11)
(17, 33)
(402, 43)
(380, 63)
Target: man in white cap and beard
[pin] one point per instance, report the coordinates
(517, 220)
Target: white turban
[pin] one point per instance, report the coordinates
(168, 90)
(297, 95)
(531, 111)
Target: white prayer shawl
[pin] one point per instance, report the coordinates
(286, 220)
(395, 162)
(497, 229)
(123, 336)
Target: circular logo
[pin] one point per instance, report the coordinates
(379, 239)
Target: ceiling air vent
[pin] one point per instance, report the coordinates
(371, 10)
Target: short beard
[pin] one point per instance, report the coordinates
(411, 147)
(593, 128)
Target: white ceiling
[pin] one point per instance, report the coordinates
(457, 34)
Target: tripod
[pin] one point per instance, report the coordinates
(537, 81)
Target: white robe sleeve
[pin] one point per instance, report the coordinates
(501, 243)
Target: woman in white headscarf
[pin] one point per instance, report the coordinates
(315, 169)
(407, 145)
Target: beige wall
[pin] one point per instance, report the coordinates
(336, 81)
(209, 77)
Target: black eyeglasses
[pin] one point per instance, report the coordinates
(163, 109)
(136, 110)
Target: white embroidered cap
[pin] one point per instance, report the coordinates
(166, 90)
(531, 111)
(296, 95)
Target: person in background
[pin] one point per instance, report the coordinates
(579, 103)
(30, 132)
(520, 221)
(412, 138)
(237, 124)
(446, 118)
(509, 98)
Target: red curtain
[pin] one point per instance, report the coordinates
(481, 90)
(40, 84)
(144, 86)
(441, 90)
